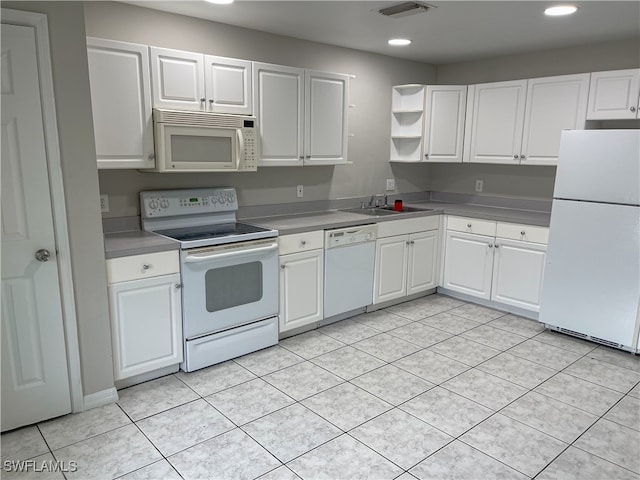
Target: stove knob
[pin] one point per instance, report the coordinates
(153, 204)
(164, 203)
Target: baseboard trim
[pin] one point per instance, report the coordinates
(98, 399)
(489, 303)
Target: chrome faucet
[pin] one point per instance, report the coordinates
(375, 202)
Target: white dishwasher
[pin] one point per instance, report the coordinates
(349, 260)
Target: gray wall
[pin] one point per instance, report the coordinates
(514, 180)
(80, 176)
(370, 91)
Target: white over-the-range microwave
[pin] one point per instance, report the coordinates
(203, 142)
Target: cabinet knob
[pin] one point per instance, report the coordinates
(211, 101)
(522, 157)
(146, 266)
(490, 245)
(413, 242)
(515, 157)
(408, 242)
(202, 100)
(282, 267)
(307, 157)
(633, 109)
(468, 225)
(522, 232)
(303, 242)
(426, 155)
(178, 286)
(497, 245)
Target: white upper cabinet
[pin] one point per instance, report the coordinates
(193, 81)
(177, 79)
(444, 123)
(121, 103)
(553, 104)
(228, 85)
(614, 95)
(326, 109)
(279, 104)
(494, 126)
(302, 116)
(521, 122)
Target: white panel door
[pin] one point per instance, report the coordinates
(497, 121)
(279, 103)
(518, 269)
(444, 123)
(553, 104)
(228, 85)
(35, 384)
(177, 79)
(121, 103)
(326, 104)
(468, 263)
(146, 325)
(422, 272)
(391, 268)
(301, 292)
(614, 95)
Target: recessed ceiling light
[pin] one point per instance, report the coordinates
(220, 2)
(399, 42)
(560, 10)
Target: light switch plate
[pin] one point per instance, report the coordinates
(479, 185)
(391, 184)
(300, 191)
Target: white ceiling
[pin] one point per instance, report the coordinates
(455, 31)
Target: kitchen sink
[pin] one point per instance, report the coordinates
(372, 211)
(406, 209)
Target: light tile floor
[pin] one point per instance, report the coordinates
(434, 388)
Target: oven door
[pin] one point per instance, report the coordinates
(193, 149)
(228, 286)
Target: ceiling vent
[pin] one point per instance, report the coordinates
(404, 9)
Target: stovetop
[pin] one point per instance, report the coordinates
(216, 234)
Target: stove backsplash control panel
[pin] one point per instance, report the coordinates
(168, 203)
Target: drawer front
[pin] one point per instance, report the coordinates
(408, 225)
(526, 233)
(149, 265)
(301, 242)
(472, 225)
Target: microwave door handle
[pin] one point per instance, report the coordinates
(240, 153)
(196, 258)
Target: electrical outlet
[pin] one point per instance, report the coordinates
(104, 203)
(300, 191)
(391, 184)
(479, 185)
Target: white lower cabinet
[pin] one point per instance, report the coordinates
(146, 317)
(406, 264)
(503, 263)
(301, 279)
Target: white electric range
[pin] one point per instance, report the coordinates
(229, 273)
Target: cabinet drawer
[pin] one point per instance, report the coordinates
(409, 225)
(527, 233)
(472, 225)
(301, 242)
(148, 265)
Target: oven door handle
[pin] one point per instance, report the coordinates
(195, 258)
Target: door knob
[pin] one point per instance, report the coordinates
(42, 255)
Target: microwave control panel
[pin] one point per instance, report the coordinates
(169, 203)
(249, 135)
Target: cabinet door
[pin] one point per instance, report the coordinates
(121, 103)
(614, 95)
(228, 85)
(518, 270)
(278, 100)
(444, 123)
(496, 122)
(146, 324)
(301, 292)
(422, 271)
(553, 104)
(326, 104)
(177, 79)
(468, 263)
(391, 268)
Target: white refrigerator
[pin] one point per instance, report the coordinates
(591, 285)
